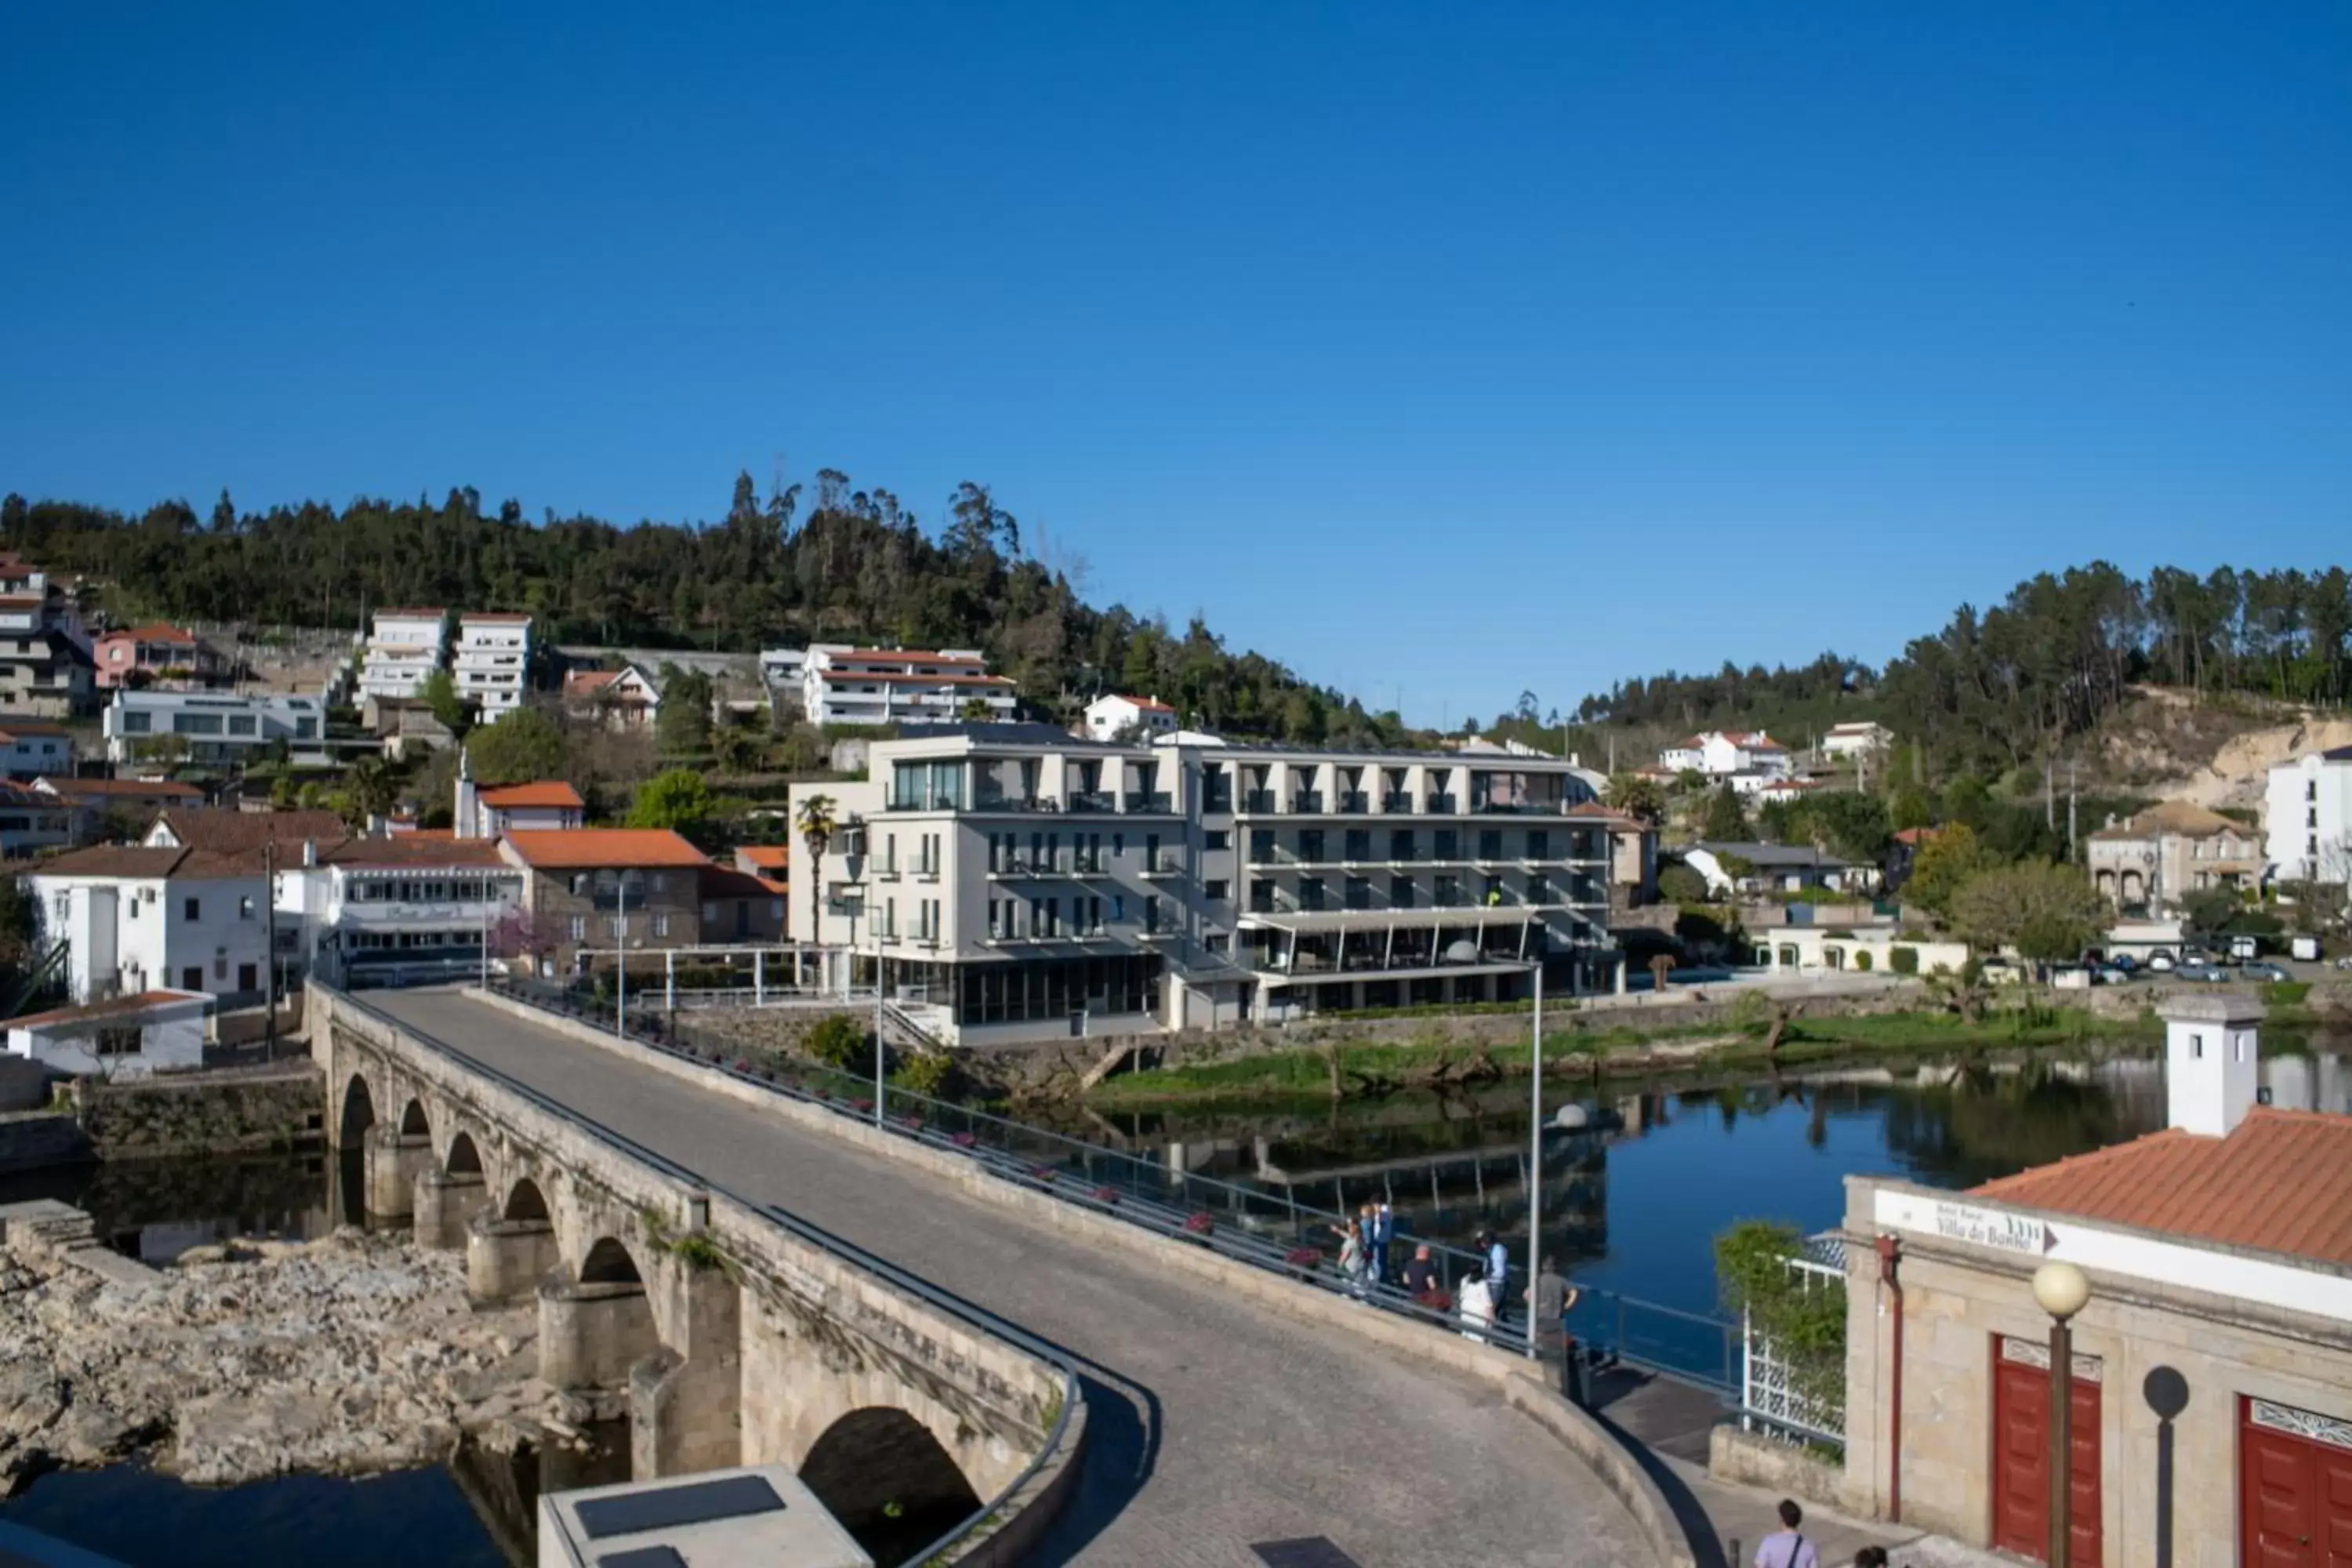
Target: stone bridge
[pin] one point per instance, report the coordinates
(726, 1333)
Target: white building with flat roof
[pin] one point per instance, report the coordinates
(214, 727)
(123, 1036)
(1033, 883)
(844, 685)
(405, 646)
(491, 661)
(2307, 818)
(1111, 718)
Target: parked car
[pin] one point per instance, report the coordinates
(2161, 961)
(2305, 949)
(2344, 962)
(2125, 961)
(2264, 969)
(2204, 974)
(2111, 974)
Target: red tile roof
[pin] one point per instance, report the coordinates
(766, 856)
(111, 1007)
(568, 849)
(846, 675)
(235, 832)
(1916, 837)
(1148, 704)
(494, 617)
(583, 681)
(726, 883)
(140, 789)
(543, 793)
(415, 851)
(901, 656)
(411, 613)
(139, 863)
(2281, 1182)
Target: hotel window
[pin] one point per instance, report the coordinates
(661, 924)
(1216, 890)
(1400, 892)
(1310, 892)
(1261, 849)
(1360, 892)
(1217, 839)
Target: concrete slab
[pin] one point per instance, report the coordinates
(738, 1518)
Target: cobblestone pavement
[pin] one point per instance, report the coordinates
(1213, 1426)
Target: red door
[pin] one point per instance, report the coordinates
(2021, 1458)
(2294, 1492)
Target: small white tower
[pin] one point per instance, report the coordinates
(2211, 1062)
(463, 824)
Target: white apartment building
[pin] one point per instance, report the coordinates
(2307, 818)
(383, 911)
(1109, 718)
(846, 685)
(492, 667)
(1721, 753)
(215, 726)
(32, 819)
(46, 666)
(148, 918)
(1033, 884)
(405, 646)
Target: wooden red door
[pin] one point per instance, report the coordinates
(2020, 1457)
(2294, 1488)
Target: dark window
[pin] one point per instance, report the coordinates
(248, 977)
(1216, 890)
(1261, 849)
(1310, 846)
(1490, 843)
(1358, 846)
(1400, 892)
(192, 909)
(1217, 839)
(1400, 845)
(1449, 844)
(1539, 845)
(1310, 892)
(1360, 893)
(192, 978)
(1262, 897)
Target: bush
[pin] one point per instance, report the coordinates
(1804, 1317)
(1903, 959)
(1862, 960)
(2287, 992)
(1681, 885)
(924, 1074)
(837, 1041)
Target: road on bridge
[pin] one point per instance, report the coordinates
(1252, 1427)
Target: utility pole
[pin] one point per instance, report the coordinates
(621, 953)
(1534, 1167)
(269, 930)
(2073, 800)
(879, 1086)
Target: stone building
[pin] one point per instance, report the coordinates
(2169, 851)
(607, 889)
(2212, 1365)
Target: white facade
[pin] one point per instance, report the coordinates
(491, 666)
(383, 911)
(1856, 739)
(1720, 754)
(1108, 718)
(846, 685)
(146, 923)
(215, 726)
(1032, 883)
(132, 1036)
(405, 646)
(624, 699)
(2307, 818)
(35, 749)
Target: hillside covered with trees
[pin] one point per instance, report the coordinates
(841, 562)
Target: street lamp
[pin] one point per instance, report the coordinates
(1535, 1163)
(2060, 1290)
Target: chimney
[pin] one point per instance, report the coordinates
(2211, 1063)
(464, 825)
(309, 852)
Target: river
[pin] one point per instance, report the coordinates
(1633, 1196)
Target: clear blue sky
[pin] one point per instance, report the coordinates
(1451, 349)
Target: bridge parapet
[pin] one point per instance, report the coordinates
(731, 1333)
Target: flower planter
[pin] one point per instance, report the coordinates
(1199, 1225)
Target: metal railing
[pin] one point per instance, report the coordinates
(1072, 1394)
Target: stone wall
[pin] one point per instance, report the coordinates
(34, 1140)
(235, 1110)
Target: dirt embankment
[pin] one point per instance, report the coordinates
(2217, 752)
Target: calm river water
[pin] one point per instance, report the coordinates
(1634, 1195)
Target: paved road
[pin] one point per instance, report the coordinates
(1215, 1425)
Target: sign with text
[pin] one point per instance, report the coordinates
(1991, 1228)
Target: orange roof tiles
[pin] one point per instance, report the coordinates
(543, 793)
(2281, 1182)
(766, 856)
(567, 848)
(111, 1007)
(845, 676)
(903, 656)
(417, 852)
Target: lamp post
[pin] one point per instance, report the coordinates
(2060, 1290)
(1534, 1167)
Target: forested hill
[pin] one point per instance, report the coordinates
(841, 563)
(2007, 687)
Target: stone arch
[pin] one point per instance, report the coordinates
(464, 1158)
(609, 1263)
(887, 1478)
(358, 1112)
(414, 1122)
(524, 1201)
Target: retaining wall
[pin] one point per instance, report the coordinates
(236, 1111)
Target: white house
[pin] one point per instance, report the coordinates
(405, 646)
(373, 912)
(546, 805)
(35, 748)
(214, 727)
(1142, 717)
(1720, 754)
(122, 1037)
(142, 918)
(1856, 739)
(2307, 818)
(846, 685)
(492, 667)
(1766, 789)
(623, 699)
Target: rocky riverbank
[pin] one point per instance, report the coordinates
(347, 1355)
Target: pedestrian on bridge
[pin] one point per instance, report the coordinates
(1351, 1256)
(1786, 1546)
(1549, 1300)
(1498, 1268)
(1378, 1241)
(1421, 1282)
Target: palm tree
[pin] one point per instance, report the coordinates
(817, 825)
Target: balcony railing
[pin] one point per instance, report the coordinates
(1094, 800)
(1396, 801)
(1260, 800)
(1166, 863)
(1442, 805)
(1217, 802)
(1307, 801)
(996, 800)
(1158, 801)
(1354, 802)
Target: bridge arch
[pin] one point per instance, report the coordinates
(358, 1112)
(524, 1201)
(609, 1263)
(886, 1476)
(465, 1159)
(414, 1122)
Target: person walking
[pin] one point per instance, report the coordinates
(1498, 1268)
(1382, 1235)
(1420, 1279)
(1351, 1259)
(1786, 1546)
(1476, 1306)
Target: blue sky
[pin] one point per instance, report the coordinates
(1448, 350)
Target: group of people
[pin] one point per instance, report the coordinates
(1480, 1296)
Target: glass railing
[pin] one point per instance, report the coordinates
(1257, 800)
(1354, 802)
(1094, 800)
(1442, 805)
(1159, 801)
(1396, 802)
(1217, 802)
(1307, 801)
